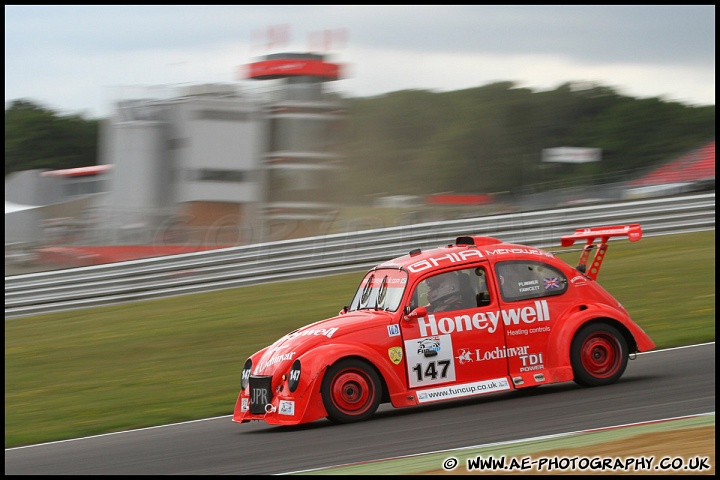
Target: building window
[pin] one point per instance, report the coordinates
(305, 134)
(83, 187)
(224, 115)
(217, 175)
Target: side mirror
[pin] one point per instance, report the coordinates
(418, 312)
(344, 310)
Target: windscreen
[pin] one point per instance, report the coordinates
(380, 289)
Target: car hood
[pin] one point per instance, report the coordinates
(280, 355)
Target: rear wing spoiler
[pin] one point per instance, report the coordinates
(633, 232)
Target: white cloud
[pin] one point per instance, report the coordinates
(72, 58)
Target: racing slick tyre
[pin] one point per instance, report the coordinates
(598, 354)
(351, 391)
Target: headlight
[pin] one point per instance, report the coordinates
(247, 368)
(294, 379)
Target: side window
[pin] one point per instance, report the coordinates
(473, 285)
(456, 290)
(521, 280)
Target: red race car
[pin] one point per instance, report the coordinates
(475, 317)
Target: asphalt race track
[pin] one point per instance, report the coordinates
(657, 385)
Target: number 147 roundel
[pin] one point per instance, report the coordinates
(475, 317)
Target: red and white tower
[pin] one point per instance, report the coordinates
(304, 132)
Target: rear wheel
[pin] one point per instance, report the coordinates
(599, 355)
(351, 391)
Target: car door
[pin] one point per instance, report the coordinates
(461, 345)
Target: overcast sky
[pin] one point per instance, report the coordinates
(79, 59)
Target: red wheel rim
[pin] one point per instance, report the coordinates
(600, 355)
(352, 392)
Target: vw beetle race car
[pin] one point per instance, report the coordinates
(475, 317)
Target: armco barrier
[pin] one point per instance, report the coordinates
(331, 254)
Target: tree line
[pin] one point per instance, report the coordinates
(486, 139)
(39, 138)
(490, 139)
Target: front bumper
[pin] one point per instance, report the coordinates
(259, 402)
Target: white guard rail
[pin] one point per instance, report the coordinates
(157, 277)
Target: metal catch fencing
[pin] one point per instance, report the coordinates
(158, 277)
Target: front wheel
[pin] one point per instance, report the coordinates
(351, 391)
(599, 355)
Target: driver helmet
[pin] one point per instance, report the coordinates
(443, 289)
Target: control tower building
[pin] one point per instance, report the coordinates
(219, 165)
(304, 130)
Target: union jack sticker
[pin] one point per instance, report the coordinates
(551, 283)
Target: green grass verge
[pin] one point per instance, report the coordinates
(141, 364)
